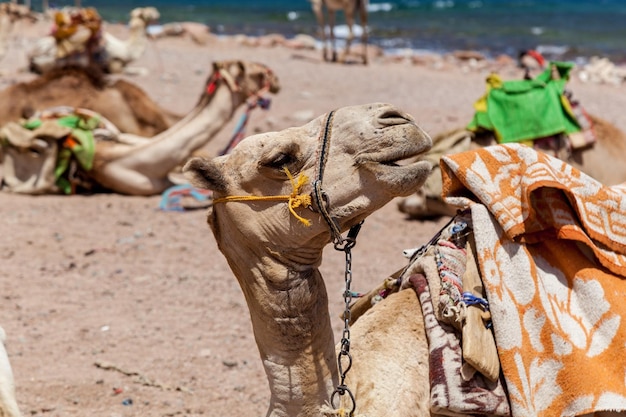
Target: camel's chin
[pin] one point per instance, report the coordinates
(402, 180)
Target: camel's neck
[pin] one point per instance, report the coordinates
(5, 29)
(165, 151)
(137, 41)
(289, 310)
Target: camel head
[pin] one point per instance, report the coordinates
(246, 80)
(27, 160)
(143, 17)
(362, 146)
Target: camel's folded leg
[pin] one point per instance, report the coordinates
(8, 403)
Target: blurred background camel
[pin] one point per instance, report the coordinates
(602, 161)
(349, 8)
(73, 150)
(78, 38)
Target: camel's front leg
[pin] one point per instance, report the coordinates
(350, 38)
(321, 27)
(331, 25)
(364, 40)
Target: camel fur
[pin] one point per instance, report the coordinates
(349, 8)
(275, 257)
(113, 54)
(127, 106)
(127, 163)
(599, 161)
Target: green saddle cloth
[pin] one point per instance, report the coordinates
(521, 110)
(80, 145)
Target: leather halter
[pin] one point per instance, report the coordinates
(319, 195)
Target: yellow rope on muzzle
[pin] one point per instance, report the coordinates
(295, 199)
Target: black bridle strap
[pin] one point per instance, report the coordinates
(322, 202)
(320, 197)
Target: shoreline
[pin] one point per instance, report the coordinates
(390, 28)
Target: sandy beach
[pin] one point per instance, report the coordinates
(114, 308)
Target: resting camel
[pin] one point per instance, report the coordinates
(601, 161)
(126, 163)
(124, 104)
(352, 155)
(349, 8)
(113, 55)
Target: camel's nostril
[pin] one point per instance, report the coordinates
(390, 113)
(393, 117)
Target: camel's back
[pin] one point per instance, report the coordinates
(124, 104)
(389, 349)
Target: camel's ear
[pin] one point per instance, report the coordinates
(243, 67)
(136, 12)
(204, 174)
(217, 66)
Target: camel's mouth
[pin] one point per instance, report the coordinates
(397, 167)
(399, 155)
(397, 159)
(405, 141)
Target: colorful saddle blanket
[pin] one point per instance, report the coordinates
(551, 250)
(522, 110)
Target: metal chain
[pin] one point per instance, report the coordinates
(344, 353)
(322, 201)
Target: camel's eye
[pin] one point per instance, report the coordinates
(37, 148)
(280, 161)
(273, 163)
(34, 152)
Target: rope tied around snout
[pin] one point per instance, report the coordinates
(294, 200)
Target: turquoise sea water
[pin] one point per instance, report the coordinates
(561, 29)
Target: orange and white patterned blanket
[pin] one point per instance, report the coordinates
(551, 243)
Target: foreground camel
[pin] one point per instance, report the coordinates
(349, 8)
(352, 156)
(603, 161)
(114, 54)
(124, 104)
(126, 163)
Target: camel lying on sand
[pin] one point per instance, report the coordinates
(537, 111)
(112, 54)
(124, 104)
(351, 155)
(349, 8)
(8, 403)
(601, 161)
(37, 161)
